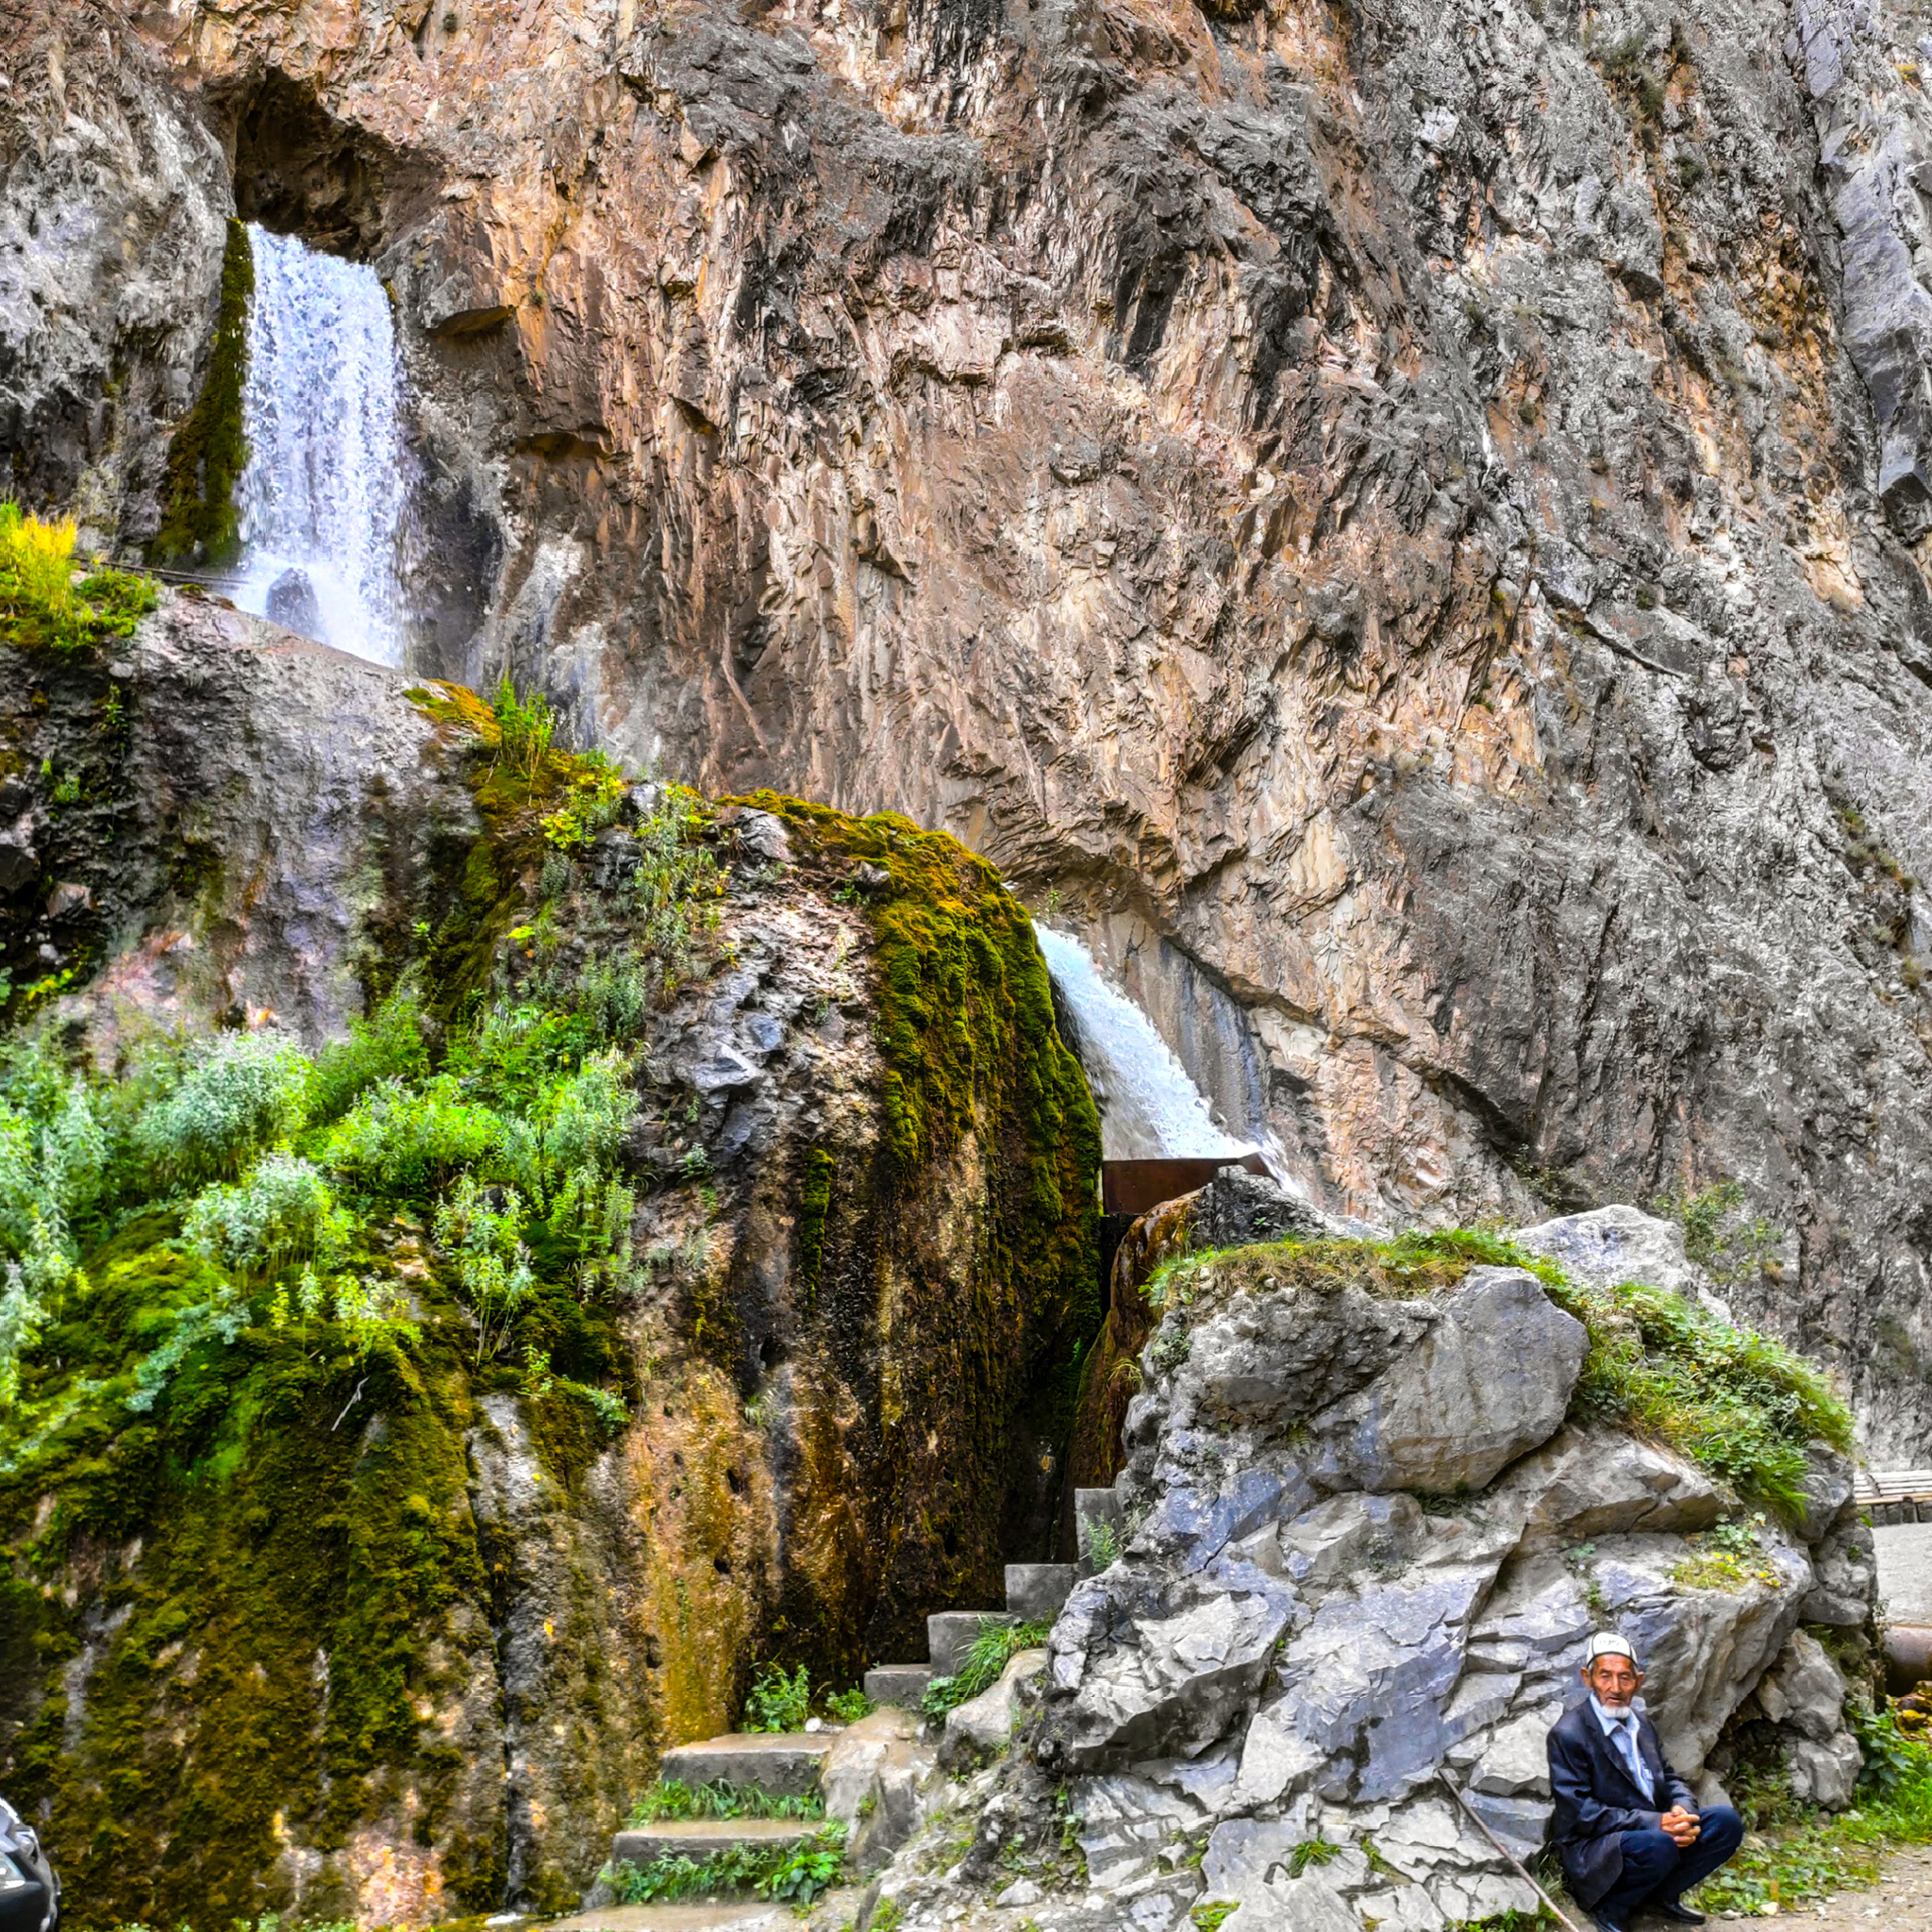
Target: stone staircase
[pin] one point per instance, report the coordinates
(1034, 1593)
(790, 1764)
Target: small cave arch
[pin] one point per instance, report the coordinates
(299, 170)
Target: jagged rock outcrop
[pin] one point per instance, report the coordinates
(1297, 1645)
(387, 1612)
(1410, 521)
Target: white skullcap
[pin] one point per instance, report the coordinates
(1608, 1643)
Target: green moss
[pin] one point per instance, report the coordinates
(200, 524)
(42, 608)
(814, 1199)
(975, 1072)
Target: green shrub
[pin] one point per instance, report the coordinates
(280, 1211)
(848, 1706)
(525, 728)
(776, 1702)
(388, 1045)
(482, 1230)
(245, 1091)
(400, 1140)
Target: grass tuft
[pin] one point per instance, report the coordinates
(995, 1646)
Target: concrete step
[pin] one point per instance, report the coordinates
(786, 1764)
(949, 1636)
(1036, 1592)
(698, 1839)
(900, 1683)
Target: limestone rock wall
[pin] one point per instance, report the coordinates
(1408, 518)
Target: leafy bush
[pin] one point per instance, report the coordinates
(40, 606)
(776, 1702)
(280, 1211)
(482, 1230)
(53, 1158)
(848, 1706)
(388, 1045)
(405, 1140)
(991, 1650)
(243, 1093)
(525, 728)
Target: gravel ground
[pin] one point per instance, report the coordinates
(1900, 1902)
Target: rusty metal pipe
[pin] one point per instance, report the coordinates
(1908, 1657)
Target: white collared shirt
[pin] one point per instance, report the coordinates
(1619, 1727)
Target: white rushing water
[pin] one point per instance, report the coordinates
(1149, 1106)
(321, 495)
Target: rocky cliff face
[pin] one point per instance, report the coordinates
(338, 1573)
(1410, 521)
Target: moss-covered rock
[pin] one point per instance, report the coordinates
(309, 1541)
(201, 523)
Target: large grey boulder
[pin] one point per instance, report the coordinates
(1489, 1379)
(1163, 1685)
(1600, 1482)
(1615, 1244)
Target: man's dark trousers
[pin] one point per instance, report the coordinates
(1655, 1871)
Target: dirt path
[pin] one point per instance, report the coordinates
(1900, 1902)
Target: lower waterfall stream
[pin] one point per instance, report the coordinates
(321, 496)
(1150, 1108)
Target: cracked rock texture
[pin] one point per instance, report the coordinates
(1412, 517)
(1289, 1650)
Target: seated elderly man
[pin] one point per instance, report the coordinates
(1626, 1826)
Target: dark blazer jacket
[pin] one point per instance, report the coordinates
(1595, 1800)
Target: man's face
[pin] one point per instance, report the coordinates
(1616, 1680)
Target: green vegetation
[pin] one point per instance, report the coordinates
(795, 1873)
(777, 1702)
(1792, 1856)
(1103, 1543)
(672, 1798)
(200, 524)
(1739, 1404)
(41, 608)
(1728, 1557)
(848, 1706)
(1312, 1850)
(251, 1302)
(992, 1649)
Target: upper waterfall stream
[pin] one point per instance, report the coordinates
(1150, 1108)
(321, 496)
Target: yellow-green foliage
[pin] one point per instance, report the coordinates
(200, 524)
(41, 608)
(1738, 1403)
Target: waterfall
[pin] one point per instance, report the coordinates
(321, 494)
(1149, 1106)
